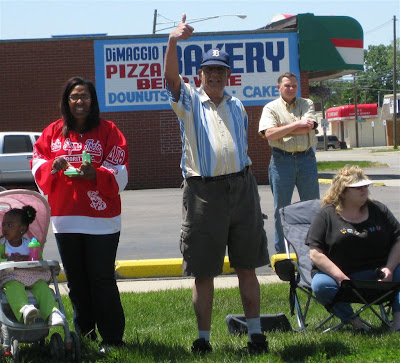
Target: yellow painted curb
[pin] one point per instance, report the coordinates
(61, 276)
(380, 184)
(148, 268)
(171, 267)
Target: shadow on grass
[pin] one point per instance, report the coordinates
(298, 352)
(301, 351)
(137, 351)
(159, 351)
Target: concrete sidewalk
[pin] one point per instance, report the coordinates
(158, 284)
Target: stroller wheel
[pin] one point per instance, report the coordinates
(56, 347)
(73, 348)
(14, 350)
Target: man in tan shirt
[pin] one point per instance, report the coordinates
(288, 123)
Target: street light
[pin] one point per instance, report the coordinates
(188, 21)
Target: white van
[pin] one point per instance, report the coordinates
(15, 153)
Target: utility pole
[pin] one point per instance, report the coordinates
(355, 106)
(155, 21)
(394, 85)
(323, 117)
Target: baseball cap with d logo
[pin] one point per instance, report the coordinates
(215, 57)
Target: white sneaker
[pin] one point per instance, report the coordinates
(56, 318)
(29, 313)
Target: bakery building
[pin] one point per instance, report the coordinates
(128, 74)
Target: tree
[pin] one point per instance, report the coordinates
(333, 92)
(377, 79)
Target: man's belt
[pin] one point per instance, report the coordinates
(294, 153)
(221, 177)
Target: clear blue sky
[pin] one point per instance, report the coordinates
(28, 19)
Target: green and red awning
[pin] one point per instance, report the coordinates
(330, 46)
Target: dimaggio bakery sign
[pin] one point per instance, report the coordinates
(129, 72)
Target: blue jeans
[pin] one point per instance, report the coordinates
(89, 264)
(286, 172)
(326, 288)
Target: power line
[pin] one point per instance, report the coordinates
(164, 17)
(363, 76)
(365, 89)
(379, 26)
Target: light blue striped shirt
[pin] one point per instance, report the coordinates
(214, 138)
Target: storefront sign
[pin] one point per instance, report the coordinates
(130, 72)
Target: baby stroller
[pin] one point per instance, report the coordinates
(12, 331)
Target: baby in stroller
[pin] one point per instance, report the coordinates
(28, 306)
(14, 247)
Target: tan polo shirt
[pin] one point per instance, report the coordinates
(278, 113)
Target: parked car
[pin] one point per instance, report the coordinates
(15, 153)
(332, 142)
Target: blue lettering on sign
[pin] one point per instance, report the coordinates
(137, 97)
(189, 58)
(269, 53)
(260, 92)
(124, 54)
(255, 55)
(179, 54)
(230, 49)
(192, 55)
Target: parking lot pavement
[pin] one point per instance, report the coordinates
(388, 173)
(151, 218)
(151, 222)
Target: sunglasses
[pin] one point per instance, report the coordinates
(76, 97)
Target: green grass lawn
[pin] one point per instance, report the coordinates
(336, 165)
(385, 150)
(160, 327)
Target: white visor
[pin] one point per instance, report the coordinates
(360, 183)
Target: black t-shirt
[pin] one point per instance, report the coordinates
(355, 246)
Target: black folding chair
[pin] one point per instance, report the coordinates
(295, 266)
(367, 293)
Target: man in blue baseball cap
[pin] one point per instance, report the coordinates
(221, 204)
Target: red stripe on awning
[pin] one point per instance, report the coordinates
(348, 43)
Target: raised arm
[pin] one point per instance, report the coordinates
(171, 67)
